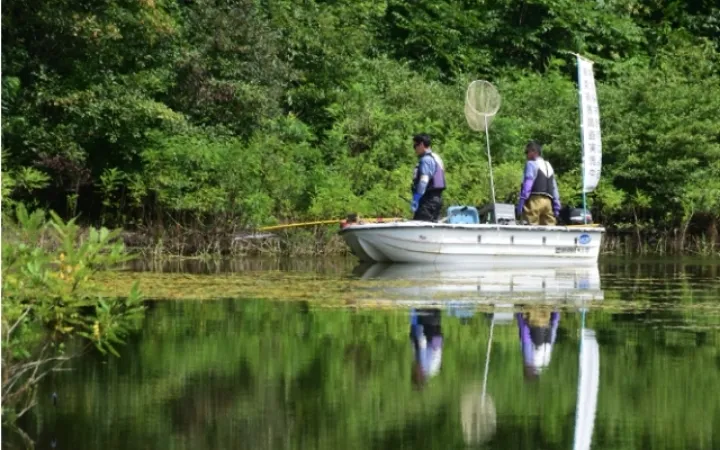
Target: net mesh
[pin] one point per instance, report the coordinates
(482, 102)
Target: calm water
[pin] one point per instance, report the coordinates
(467, 358)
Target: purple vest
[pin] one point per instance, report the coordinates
(437, 181)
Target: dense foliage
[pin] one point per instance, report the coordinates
(226, 113)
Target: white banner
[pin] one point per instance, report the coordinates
(590, 117)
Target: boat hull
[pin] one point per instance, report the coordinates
(498, 245)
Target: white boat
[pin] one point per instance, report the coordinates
(495, 244)
(491, 235)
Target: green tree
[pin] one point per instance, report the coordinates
(231, 71)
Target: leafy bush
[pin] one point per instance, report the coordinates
(50, 299)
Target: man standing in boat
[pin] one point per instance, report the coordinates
(539, 197)
(428, 181)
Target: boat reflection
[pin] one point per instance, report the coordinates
(537, 327)
(457, 285)
(537, 332)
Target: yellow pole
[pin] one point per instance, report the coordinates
(326, 222)
(300, 224)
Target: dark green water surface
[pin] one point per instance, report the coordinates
(258, 374)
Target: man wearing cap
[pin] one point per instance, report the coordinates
(428, 181)
(539, 197)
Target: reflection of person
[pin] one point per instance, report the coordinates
(426, 337)
(538, 330)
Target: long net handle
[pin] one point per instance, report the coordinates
(487, 141)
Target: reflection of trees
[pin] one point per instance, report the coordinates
(209, 413)
(267, 375)
(204, 400)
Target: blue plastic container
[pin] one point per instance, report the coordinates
(462, 215)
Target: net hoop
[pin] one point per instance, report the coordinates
(482, 102)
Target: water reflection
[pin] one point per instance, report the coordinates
(477, 284)
(427, 341)
(588, 386)
(537, 330)
(478, 415)
(434, 374)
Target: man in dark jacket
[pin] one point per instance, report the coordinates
(428, 181)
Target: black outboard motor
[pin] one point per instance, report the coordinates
(575, 216)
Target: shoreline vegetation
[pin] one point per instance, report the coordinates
(325, 241)
(188, 121)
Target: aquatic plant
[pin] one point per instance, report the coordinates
(50, 297)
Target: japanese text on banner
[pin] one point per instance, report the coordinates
(592, 145)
